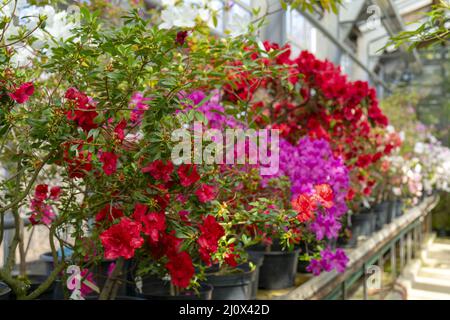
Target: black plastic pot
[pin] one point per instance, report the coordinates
(233, 286)
(5, 291)
(391, 211)
(381, 211)
(302, 265)
(364, 223)
(350, 242)
(398, 208)
(256, 258)
(155, 289)
(278, 269)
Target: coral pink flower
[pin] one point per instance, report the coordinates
(305, 206)
(324, 195)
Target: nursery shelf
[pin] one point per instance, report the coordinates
(401, 238)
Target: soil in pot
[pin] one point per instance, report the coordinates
(235, 285)
(381, 211)
(365, 221)
(257, 258)
(155, 289)
(279, 267)
(5, 291)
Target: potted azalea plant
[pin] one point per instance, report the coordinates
(98, 115)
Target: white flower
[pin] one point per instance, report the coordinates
(179, 16)
(419, 147)
(22, 57)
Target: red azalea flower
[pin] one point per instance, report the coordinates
(350, 195)
(181, 37)
(40, 192)
(181, 269)
(23, 93)
(162, 201)
(324, 194)
(210, 233)
(205, 193)
(78, 165)
(188, 174)
(140, 210)
(154, 223)
(305, 206)
(55, 192)
(119, 130)
(109, 213)
(122, 239)
(230, 256)
(159, 170)
(82, 112)
(364, 160)
(184, 215)
(109, 160)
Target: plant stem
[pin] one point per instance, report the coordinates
(109, 291)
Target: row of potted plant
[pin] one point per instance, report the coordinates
(100, 130)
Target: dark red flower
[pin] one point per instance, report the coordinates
(122, 239)
(109, 160)
(210, 233)
(81, 112)
(23, 93)
(41, 192)
(181, 37)
(119, 130)
(188, 174)
(109, 213)
(154, 223)
(364, 160)
(159, 170)
(205, 193)
(181, 269)
(377, 156)
(230, 256)
(55, 192)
